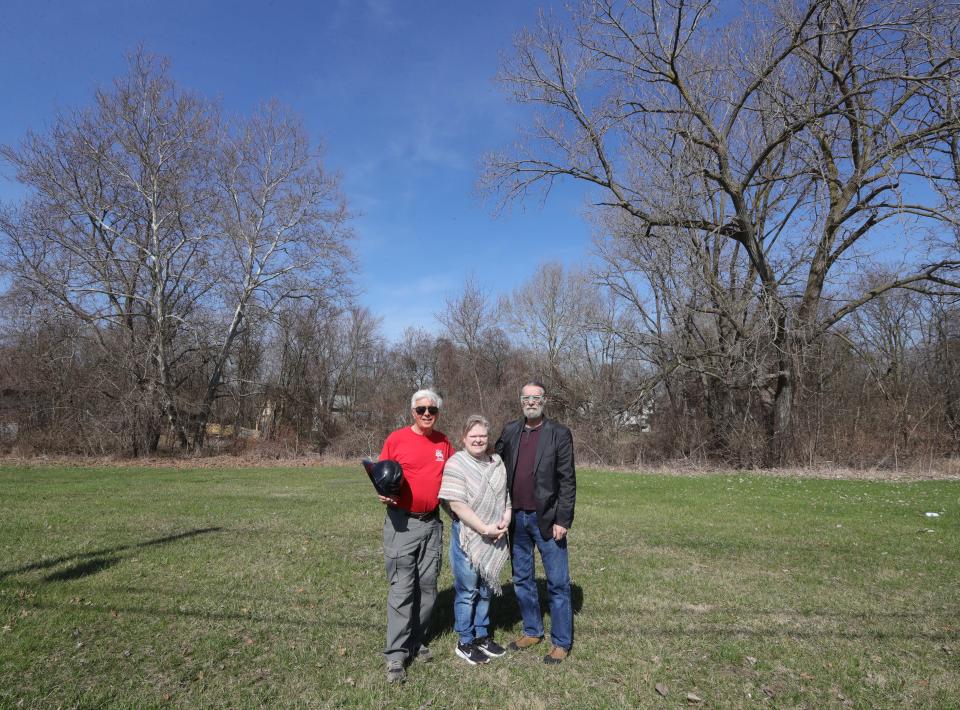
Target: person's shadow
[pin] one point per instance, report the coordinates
(504, 612)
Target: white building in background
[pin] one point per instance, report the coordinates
(634, 419)
(9, 431)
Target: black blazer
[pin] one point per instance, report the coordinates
(555, 476)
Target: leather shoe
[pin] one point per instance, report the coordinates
(556, 655)
(525, 642)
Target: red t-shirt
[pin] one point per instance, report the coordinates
(421, 456)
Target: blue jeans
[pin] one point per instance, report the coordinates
(471, 595)
(553, 554)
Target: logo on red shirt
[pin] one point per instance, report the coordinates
(439, 454)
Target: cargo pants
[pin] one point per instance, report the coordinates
(411, 551)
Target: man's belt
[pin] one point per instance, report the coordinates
(429, 515)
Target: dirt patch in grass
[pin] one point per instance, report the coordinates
(942, 470)
(199, 461)
(946, 469)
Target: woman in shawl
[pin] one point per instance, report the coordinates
(474, 491)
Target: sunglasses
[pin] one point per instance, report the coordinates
(421, 410)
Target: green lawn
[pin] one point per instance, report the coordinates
(265, 588)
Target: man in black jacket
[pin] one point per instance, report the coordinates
(541, 477)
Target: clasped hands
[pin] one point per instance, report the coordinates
(494, 531)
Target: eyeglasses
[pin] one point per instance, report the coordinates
(421, 410)
(532, 398)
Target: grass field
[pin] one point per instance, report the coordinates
(265, 588)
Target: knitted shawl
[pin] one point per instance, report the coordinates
(482, 485)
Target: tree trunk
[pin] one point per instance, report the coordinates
(781, 441)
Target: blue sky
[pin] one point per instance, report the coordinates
(401, 94)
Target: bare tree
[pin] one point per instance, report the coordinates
(549, 313)
(322, 357)
(942, 355)
(281, 223)
(779, 148)
(470, 321)
(417, 358)
(112, 232)
(161, 227)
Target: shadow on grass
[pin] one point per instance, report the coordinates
(504, 612)
(82, 569)
(98, 555)
(504, 615)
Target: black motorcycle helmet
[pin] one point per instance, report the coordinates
(386, 476)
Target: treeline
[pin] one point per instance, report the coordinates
(883, 391)
(774, 277)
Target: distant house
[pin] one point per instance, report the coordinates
(342, 405)
(16, 406)
(341, 408)
(635, 418)
(8, 431)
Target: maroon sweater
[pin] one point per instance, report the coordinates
(522, 493)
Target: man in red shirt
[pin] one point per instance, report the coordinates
(412, 533)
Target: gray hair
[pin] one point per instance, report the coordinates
(533, 383)
(472, 421)
(426, 394)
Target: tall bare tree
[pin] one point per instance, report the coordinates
(777, 150)
(161, 227)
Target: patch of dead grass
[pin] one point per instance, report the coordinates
(946, 469)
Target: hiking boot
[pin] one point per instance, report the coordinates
(471, 654)
(424, 655)
(490, 647)
(525, 642)
(556, 655)
(395, 672)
